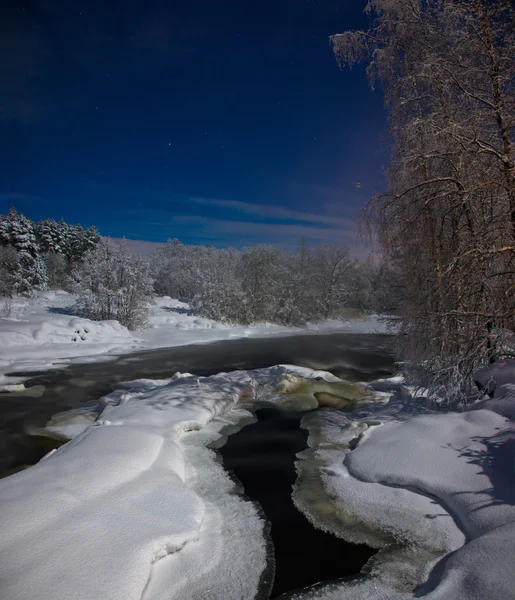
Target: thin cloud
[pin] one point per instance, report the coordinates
(266, 232)
(275, 212)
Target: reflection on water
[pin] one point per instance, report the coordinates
(352, 356)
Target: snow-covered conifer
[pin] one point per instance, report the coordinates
(50, 237)
(18, 232)
(9, 266)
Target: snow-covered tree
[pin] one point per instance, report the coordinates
(262, 279)
(50, 236)
(220, 295)
(447, 219)
(263, 283)
(113, 283)
(74, 243)
(56, 270)
(9, 267)
(18, 231)
(90, 240)
(178, 269)
(332, 269)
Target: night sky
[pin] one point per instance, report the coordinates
(224, 123)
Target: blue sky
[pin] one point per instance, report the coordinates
(220, 123)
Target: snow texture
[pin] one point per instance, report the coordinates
(137, 506)
(97, 517)
(436, 492)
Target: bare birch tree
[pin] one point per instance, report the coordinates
(447, 221)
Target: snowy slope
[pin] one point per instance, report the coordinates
(136, 506)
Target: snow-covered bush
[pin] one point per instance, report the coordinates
(113, 283)
(178, 269)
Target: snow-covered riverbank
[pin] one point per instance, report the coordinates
(136, 506)
(434, 491)
(42, 332)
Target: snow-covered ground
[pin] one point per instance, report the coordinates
(42, 332)
(434, 491)
(136, 506)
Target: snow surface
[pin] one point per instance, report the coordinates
(137, 505)
(43, 332)
(436, 492)
(96, 518)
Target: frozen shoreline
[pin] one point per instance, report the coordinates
(42, 333)
(434, 492)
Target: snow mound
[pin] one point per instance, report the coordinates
(120, 497)
(136, 505)
(435, 491)
(492, 377)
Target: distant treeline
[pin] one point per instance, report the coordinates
(256, 284)
(266, 284)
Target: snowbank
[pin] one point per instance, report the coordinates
(136, 505)
(43, 331)
(435, 491)
(138, 488)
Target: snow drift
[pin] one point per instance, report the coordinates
(137, 505)
(94, 518)
(436, 492)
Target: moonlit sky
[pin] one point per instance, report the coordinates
(222, 123)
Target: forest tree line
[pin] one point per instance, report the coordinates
(35, 256)
(253, 285)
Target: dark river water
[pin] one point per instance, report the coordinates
(261, 455)
(360, 357)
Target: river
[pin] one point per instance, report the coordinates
(261, 455)
(358, 357)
